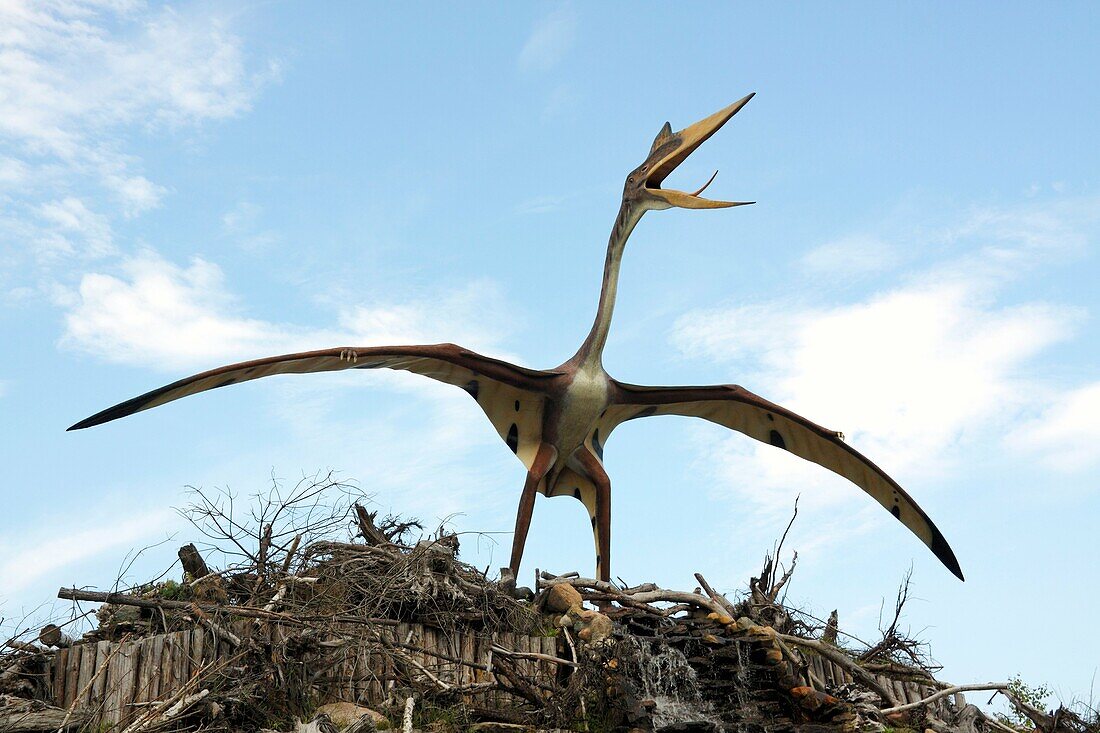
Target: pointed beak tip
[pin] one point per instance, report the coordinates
(736, 106)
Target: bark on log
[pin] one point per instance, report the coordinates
(367, 528)
(19, 715)
(831, 629)
(121, 599)
(839, 658)
(52, 635)
(944, 693)
(193, 564)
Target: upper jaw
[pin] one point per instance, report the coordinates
(670, 153)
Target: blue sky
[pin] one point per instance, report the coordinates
(187, 185)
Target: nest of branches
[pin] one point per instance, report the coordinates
(311, 584)
(311, 555)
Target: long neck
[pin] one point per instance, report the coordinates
(591, 351)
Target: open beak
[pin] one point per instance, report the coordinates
(688, 140)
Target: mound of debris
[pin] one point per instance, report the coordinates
(312, 627)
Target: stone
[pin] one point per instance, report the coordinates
(344, 714)
(595, 627)
(562, 597)
(810, 699)
(773, 656)
(591, 626)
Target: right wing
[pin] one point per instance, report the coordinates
(738, 409)
(512, 397)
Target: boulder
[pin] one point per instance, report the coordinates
(562, 597)
(345, 714)
(591, 626)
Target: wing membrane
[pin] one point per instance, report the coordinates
(738, 409)
(512, 397)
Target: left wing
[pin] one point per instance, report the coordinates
(511, 396)
(738, 409)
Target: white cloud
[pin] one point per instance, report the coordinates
(242, 223)
(550, 40)
(78, 78)
(853, 256)
(70, 219)
(911, 374)
(67, 73)
(32, 556)
(162, 315)
(241, 218)
(136, 194)
(157, 314)
(468, 316)
(1066, 434)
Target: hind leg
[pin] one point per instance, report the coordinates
(544, 459)
(601, 527)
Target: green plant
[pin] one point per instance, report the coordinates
(1033, 695)
(171, 590)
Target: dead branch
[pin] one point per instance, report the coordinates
(837, 657)
(999, 686)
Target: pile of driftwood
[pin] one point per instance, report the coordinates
(325, 617)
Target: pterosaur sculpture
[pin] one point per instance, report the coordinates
(558, 420)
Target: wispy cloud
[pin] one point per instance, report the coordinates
(77, 79)
(73, 227)
(910, 374)
(541, 204)
(33, 555)
(243, 223)
(1065, 435)
(550, 40)
(158, 314)
(853, 256)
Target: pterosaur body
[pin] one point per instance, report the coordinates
(557, 420)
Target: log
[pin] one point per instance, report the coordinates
(72, 674)
(837, 657)
(121, 599)
(52, 635)
(1000, 686)
(831, 629)
(19, 715)
(371, 534)
(193, 564)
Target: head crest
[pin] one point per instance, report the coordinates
(662, 136)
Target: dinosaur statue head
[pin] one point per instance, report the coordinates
(670, 149)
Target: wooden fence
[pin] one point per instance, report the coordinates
(116, 681)
(906, 691)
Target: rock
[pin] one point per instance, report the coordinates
(745, 623)
(591, 626)
(562, 597)
(344, 714)
(810, 699)
(773, 657)
(595, 627)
